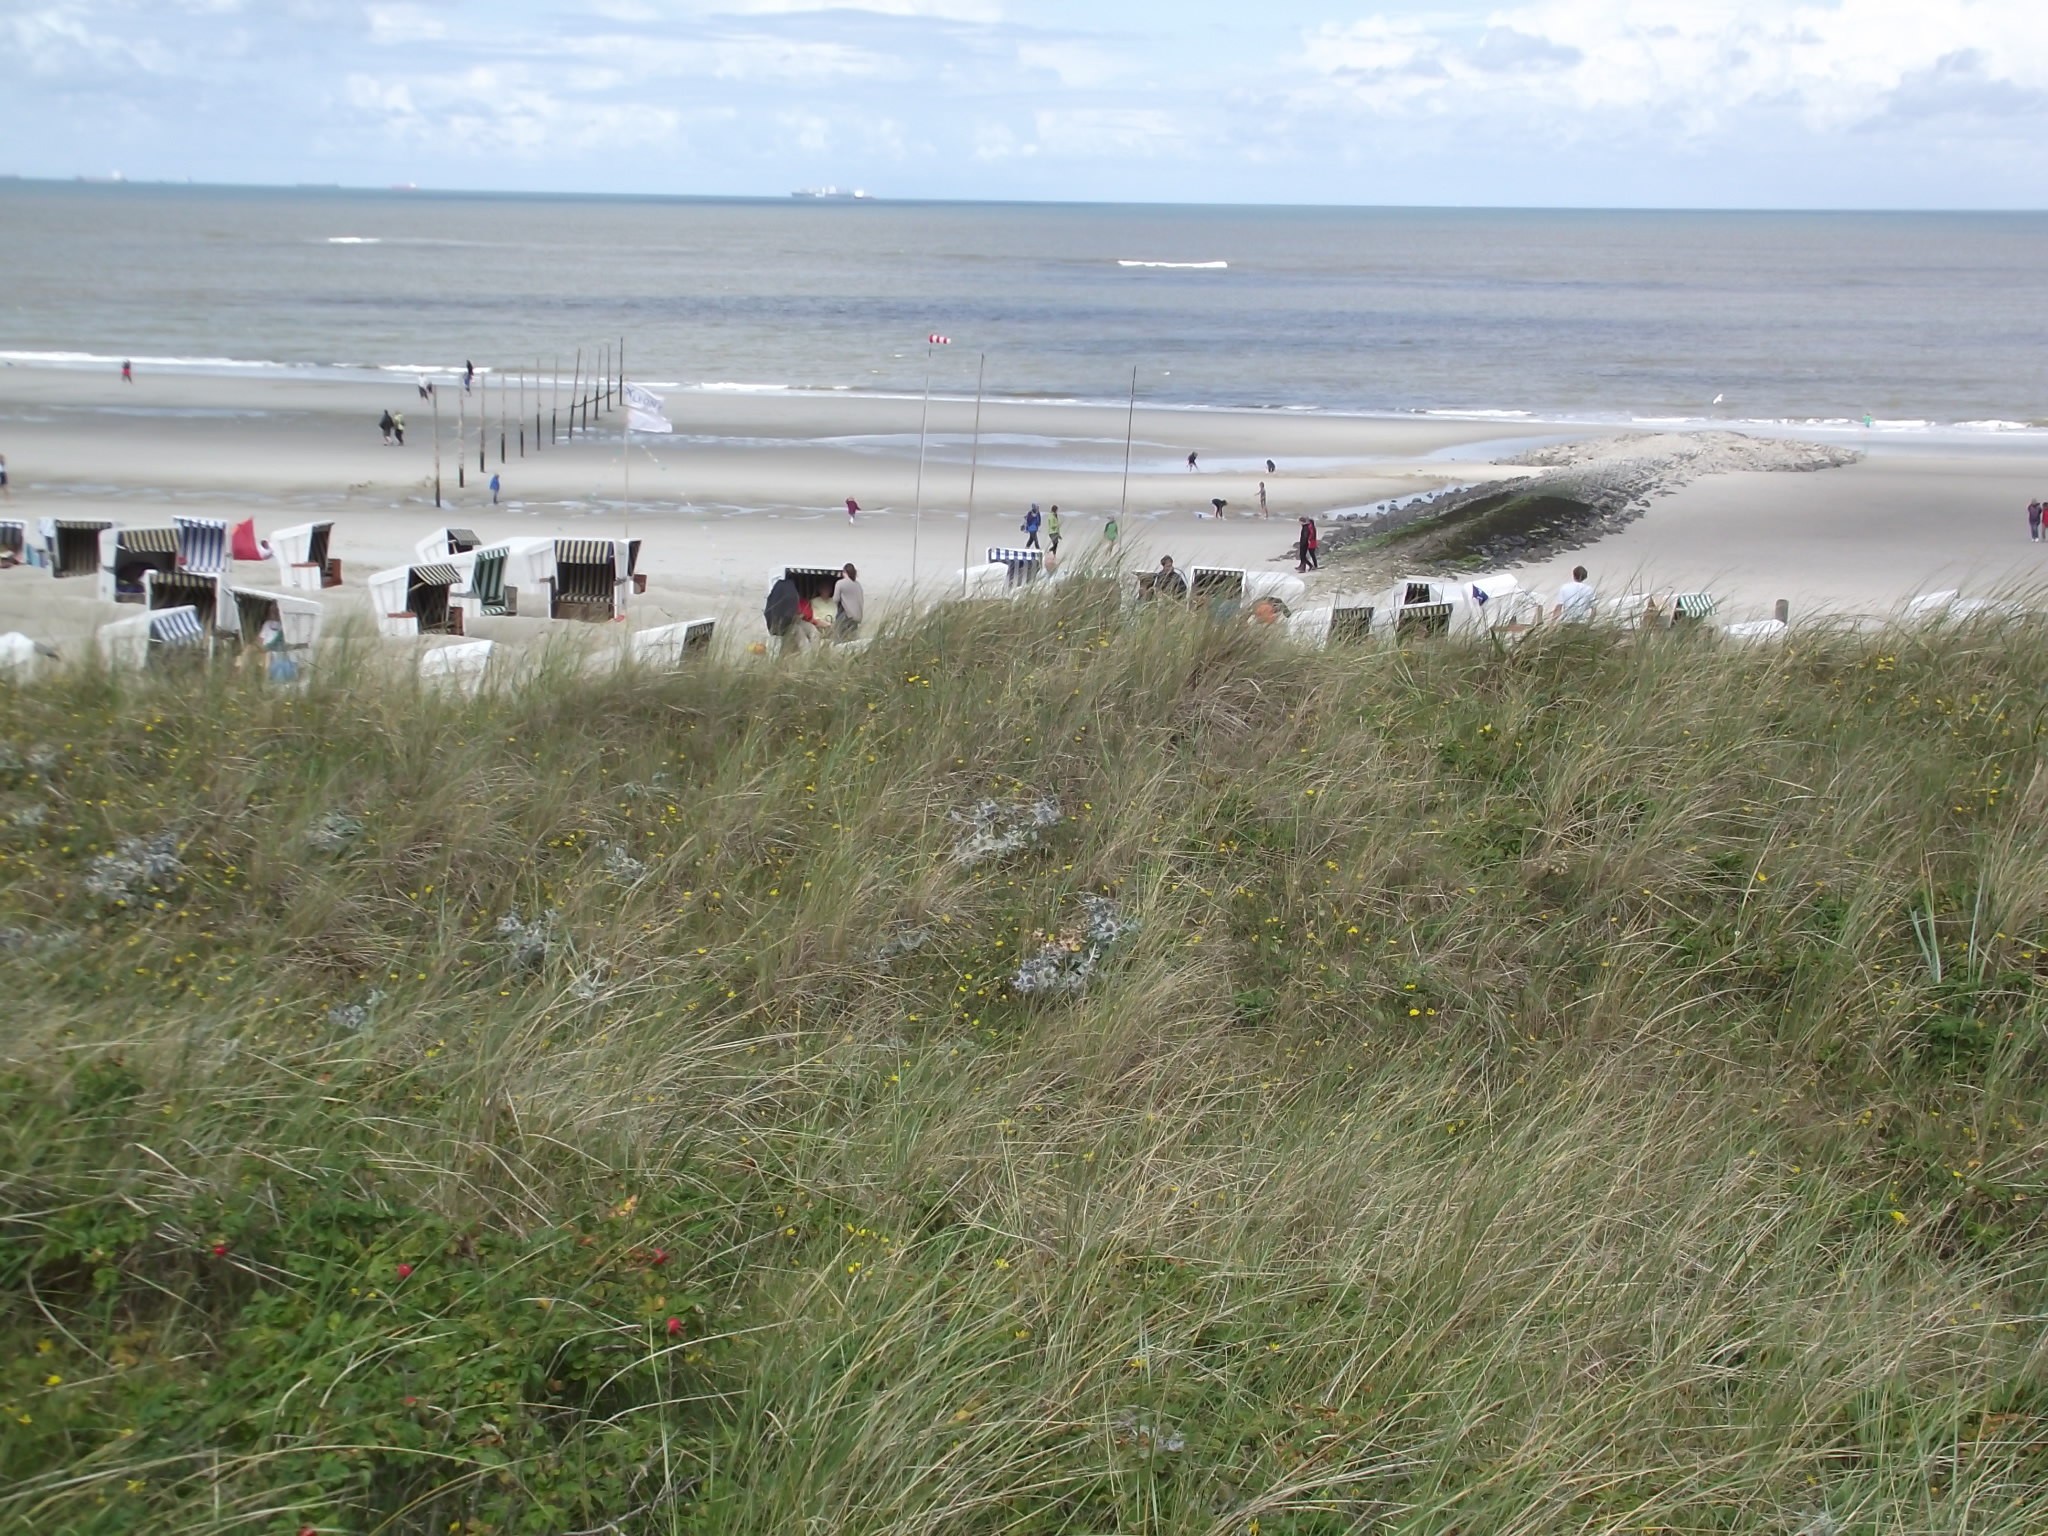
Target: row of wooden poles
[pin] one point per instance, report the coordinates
(597, 393)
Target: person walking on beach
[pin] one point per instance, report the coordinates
(1272, 468)
(2034, 521)
(852, 510)
(398, 427)
(494, 490)
(127, 371)
(1052, 532)
(851, 603)
(1262, 496)
(1575, 599)
(5, 494)
(468, 375)
(385, 426)
(1304, 546)
(1191, 460)
(1031, 522)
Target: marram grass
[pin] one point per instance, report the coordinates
(1587, 1086)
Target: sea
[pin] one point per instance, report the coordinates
(1909, 321)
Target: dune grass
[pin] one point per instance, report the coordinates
(1057, 1071)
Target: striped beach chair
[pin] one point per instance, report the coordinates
(202, 544)
(414, 600)
(72, 547)
(1691, 608)
(443, 542)
(1023, 565)
(13, 542)
(128, 557)
(303, 563)
(163, 591)
(591, 579)
(151, 638)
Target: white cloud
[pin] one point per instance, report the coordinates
(1704, 64)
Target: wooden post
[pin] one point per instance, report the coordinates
(501, 421)
(973, 467)
(461, 438)
(555, 405)
(522, 413)
(434, 394)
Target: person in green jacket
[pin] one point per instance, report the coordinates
(1052, 532)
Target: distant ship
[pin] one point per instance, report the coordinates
(832, 195)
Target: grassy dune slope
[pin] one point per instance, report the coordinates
(1591, 1087)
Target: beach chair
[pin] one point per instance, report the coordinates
(163, 590)
(1215, 584)
(411, 600)
(72, 547)
(1501, 604)
(13, 542)
(1021, 566)
(152, 639)
(303, 564)
(667, 646)
(1421, 607)
(128, 556)
(202, 544)
(1350, 622)
(1157, 584)
(460, 667)
(299, 617)
(443, 542)
(592, 579)
(1690, 609)
(482, 592)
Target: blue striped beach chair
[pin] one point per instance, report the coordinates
(202, 544)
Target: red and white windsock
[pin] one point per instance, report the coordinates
(939, 341)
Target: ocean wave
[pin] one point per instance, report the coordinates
(82, 359)
(1183, 266)
(354, 240)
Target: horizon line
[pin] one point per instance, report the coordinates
(117, 182)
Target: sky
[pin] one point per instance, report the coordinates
(1577, 103)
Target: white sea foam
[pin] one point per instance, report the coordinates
(354, 240)
(728, 388)
(77, 359)
(1184, 266)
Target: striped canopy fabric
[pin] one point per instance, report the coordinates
(14, 536)
(487, 580)
(176, 627)
(147, 541)
(434, 576)
(583, 551)
(202, 546)
(1694, 605)
(74, 547)
(1015, 557)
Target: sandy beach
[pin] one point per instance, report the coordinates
(752, 481)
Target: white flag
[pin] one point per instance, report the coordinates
(643, 411)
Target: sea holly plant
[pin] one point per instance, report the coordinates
(1067, 958)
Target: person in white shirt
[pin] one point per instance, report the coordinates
(1574, 599)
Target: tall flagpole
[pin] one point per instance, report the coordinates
(917, 514)
(1123, 505)
(973, 466)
